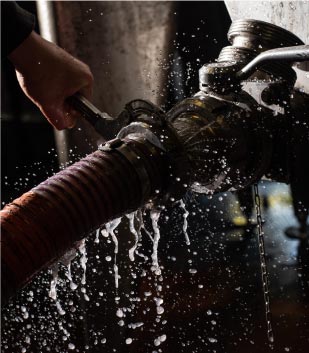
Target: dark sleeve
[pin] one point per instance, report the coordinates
(16, 25)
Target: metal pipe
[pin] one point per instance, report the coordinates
(288, 54)
(48, 30)
(42, 224)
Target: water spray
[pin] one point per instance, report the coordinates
(238, 128)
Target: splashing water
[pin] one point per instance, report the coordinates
(155, 215)
(73, 285)
(140, 226)
(185, 222)
(131, 217)
(83, 263)
(97, 236)
(53, 284)
(83, 260)
(265, 285)
(159, 302)
(53, 289)
(110, 228)
(140, 221)
(263, 264)
(159, 340)
(59, 308)
(24, 311)
(135, 325)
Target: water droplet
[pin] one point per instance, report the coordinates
(119, 313)
(160, 310)
(129, 340)
(71, 346)
(212, 340)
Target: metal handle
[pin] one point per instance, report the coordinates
(100, 121)
(288, 54)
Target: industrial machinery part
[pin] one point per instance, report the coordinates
(250, 37)
(220, 139)
(298, 53)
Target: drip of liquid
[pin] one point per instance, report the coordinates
(131, 217)
(140, 222)
(68, 257)
(155, 215)
(73, 285)
(53, 289)
(159, 302)
(83, 263)
(141, 255)
(97, 236)
(83, 260)
(110, 228)
(66, 260)
(185, 222)
(159, 340)
(265, 280)
(53, 284)
(24, 311)
(59, 308)
(140, 226)
(135, 325)
(148, 233)
(265, 284)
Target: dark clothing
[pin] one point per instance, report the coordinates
(16, 25)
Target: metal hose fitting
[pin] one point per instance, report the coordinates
(251, 37)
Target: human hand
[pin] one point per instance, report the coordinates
(48, 75)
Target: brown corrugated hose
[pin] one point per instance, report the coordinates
(42, 224)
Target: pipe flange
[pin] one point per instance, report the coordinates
(152, 126)
(219, 77)
(251, 37)
(238, 54)
(260, 35)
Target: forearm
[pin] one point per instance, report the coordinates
(27, 54)
(33, 56)
(16, 26)
(47, 74)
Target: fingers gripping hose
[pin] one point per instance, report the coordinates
(41, 225)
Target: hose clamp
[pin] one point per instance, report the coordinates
(121, 147)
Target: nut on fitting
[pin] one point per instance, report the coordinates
(219, 77)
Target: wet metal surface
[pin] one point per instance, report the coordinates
(291, 15)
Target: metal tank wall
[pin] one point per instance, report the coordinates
(291, 15)
(125, 43)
